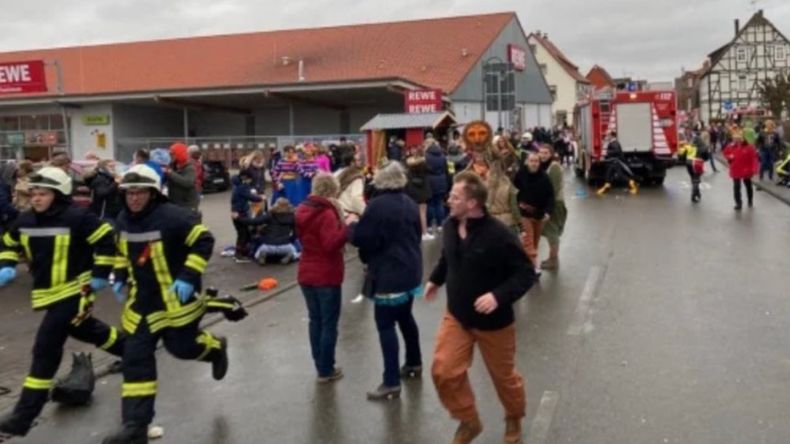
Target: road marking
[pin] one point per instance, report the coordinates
(583, 307)
(539, 429)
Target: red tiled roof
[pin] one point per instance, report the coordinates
(560, 57)
(599, 77)
(427, 52)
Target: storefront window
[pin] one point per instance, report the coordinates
(56, 121)
(35, 122)
(9, 123)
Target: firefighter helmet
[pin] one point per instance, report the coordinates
(53, 178)
(141, 176)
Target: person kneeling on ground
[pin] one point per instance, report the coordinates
(277, 237)
(240, 200)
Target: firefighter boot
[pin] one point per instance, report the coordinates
(632, 187)
(131, 433)
(219, 365)
(77, 387)
(601, 191)
(15, 425)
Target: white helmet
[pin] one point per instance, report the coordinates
(53, 178)
(141, 176)
(527, 135)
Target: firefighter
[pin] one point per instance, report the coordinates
(163, 253)
(616, 167)
(55, 236)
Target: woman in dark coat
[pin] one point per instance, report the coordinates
(418, 188)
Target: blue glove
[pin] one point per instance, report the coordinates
(117, 289)
(99, 283)
(7, 274)
(183, 289)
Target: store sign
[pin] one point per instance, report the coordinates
(517, 56)
(22, 77)
(424, 101)
(96, 120)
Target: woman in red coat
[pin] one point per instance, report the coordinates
(322, 232)
(744, 164)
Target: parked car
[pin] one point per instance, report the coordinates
(216, 177)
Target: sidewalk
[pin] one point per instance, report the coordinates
(767, 186)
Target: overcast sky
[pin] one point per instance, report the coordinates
(649, 39)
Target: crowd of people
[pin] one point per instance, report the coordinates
(750, 151)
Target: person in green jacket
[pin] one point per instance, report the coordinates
(556, 224)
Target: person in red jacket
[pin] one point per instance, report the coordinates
(196, 158)
(744, 164)
(323, 234)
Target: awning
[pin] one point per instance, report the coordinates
(404, 120)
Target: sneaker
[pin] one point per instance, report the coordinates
(219, 365)
(550, 264)
(383, 393)
(130, 433)
(336, 375)
(467, 431)
(15, 425)
(242, 260)
(411, 372)
(427, 237)
(738, 207)
(360, 297)
(513, 431)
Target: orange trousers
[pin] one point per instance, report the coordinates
(453, 357)
(530, 236)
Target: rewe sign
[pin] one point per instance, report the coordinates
(424, 101)
(22, 77)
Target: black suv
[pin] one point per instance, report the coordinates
(215, 176)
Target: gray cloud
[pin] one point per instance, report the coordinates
(647, 39)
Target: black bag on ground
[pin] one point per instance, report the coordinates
(77, 387)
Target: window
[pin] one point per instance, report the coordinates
(553, 90)
(9, 123)
(741, 83)
(780, 53)
(769, 51)
(741, 54)
(35, 122)
(500, 88)
(544, 69)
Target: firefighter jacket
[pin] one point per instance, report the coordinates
(66, 246)
(156, 247)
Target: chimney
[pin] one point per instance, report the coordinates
(737, 26)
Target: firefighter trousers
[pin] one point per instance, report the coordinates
(55, 328)
(139, 364)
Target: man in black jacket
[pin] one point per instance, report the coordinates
(486, 271)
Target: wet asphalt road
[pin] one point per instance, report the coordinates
(665, 324)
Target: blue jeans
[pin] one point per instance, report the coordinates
(436, 210)
(386, 318)
(323, 307)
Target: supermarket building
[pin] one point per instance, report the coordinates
(246, 91)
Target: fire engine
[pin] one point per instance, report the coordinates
(646, 126)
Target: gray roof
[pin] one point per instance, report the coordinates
(405, 120)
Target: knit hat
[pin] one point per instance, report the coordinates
(179, 153)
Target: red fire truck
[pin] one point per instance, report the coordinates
(646, 126)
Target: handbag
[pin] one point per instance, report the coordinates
(698, 165)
